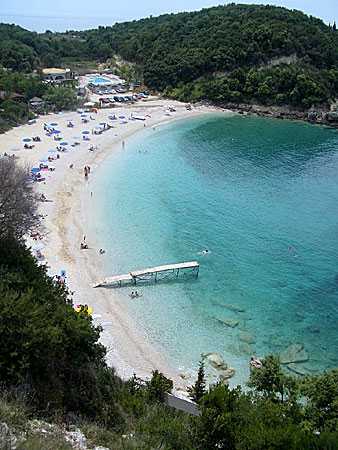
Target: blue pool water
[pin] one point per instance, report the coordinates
(246, 188)
(99, 80)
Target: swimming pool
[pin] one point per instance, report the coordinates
(98, 80)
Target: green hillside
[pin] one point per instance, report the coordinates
(220, 54)
(233, 53)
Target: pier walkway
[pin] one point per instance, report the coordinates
(152, 274)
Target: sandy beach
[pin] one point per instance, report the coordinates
(72, 199)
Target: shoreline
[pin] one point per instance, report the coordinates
(315, 116)
(69, 212)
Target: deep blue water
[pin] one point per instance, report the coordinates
(246, 188)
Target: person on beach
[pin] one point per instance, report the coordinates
(101, 251)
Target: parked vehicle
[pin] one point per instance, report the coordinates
(104, 100)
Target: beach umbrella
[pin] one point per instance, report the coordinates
(102, 123)
(52, 150)
(83, 115)
(63, 143)
(53, 124)
(36, 169)
(26, 140)
(15, 149)
(38, 246)
(43, 159)
(88, 310)
(56, 131)
(122, 117)
(75, 137)
(85, 132)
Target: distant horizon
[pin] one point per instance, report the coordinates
(65, 16)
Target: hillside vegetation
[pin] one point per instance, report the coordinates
(184, 54)
(220, 54)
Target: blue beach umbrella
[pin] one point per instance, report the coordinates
(38, 246)
(26, 140)
(52, 150)
(85, 132)
(43, 159)
(102, 123)
(15, 149)
(56, 131)
(63, 143)
(83, 115)
(35, 169)
(122, 117)
(53, 124)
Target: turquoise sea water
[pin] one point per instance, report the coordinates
(246, 188)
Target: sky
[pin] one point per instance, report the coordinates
(62, 15)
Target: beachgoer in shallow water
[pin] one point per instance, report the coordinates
(203, 252)
(101, 251)
(287, 249)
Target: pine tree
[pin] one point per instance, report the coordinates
(197, 391)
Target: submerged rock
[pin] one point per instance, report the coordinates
(229, 321)
(232, 349)
(247, 337)
(214, 359)
(226, 374)
(298, 369)
(184, 376)
(229, 306)
(246, 348)
(294, 353)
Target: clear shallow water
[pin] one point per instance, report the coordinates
(245, 188)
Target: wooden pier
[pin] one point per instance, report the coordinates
(153, 274)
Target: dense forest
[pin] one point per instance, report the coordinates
(221, 54)
(233, 53)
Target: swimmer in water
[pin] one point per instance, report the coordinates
(203, 252)
(287, 249)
